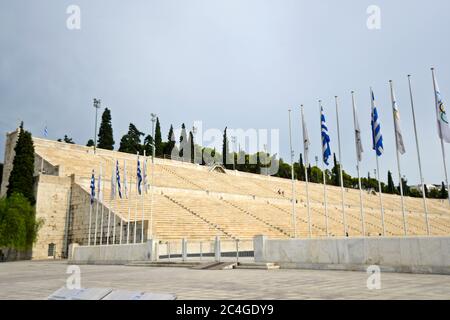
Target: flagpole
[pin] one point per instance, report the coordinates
(324, 178)
(294, 222)
(90, 218)
(440, 135)
(398, 158)
(340, 167)
(363, 225)
(381, 198)
(143, 195)
(129, 211)
(136, 209)
(96, 210)
(114, 204)
(113, 185)
(101, 223)
(425, 207)
(305, 151)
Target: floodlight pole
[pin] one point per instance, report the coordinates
(153, 173)
(97, 103)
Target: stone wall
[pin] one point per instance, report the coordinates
(52, 205)
(392, 254)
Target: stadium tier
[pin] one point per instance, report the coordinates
(185, 200)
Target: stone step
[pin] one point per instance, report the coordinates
(176, 264)
(257, 265)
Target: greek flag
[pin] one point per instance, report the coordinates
(119, 188)
(139, 176)
(92, 187)
(441, 114)
(326, 150)
(45, 132)
(377, 137)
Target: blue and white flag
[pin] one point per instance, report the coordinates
(92, 187)
(441, 114)
(119, 188)
(139, 176)
(377, 137)
(326, 150)
(45, 132)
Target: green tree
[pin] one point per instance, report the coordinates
(1, 173)
(192, 146)
(159, 151)
(225, 150)
(443, 194)
(390, 186)
(18, 225)
(21, 179)
(168, 147)
(426, 190)
(301, 173)
(66, 139)
(131, 142)
(148, 145)
(105, 133)
(90, 143)
(335, 172)
(183, 141)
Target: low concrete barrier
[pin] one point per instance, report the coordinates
(391, 254)
(112, 254)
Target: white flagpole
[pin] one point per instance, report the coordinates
(96, 210)
(398, 159)
(363, 224)
(306, 173)
(143, 194)
(294, 218)
(324, 177)
(340, 167)
(129, 211)
(378, 169)
(90, 218)
(440, 136)
(381, 197)
(116, 185)
(425, 207)
(113, 185)
(136, 209)
(101, 220)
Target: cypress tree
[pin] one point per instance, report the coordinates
(390, 186)
(131, 142)
(192, 146)
(225, 148)
(335, 172)
(105, 133)
(426, 190)
(1, 173)
(168, 148)
(443, 194)
(183, 140)
(21, 179)
(301, 174)
(158, 139)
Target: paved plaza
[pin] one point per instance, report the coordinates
(38, 279)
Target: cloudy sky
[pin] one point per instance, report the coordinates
(235, 63)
